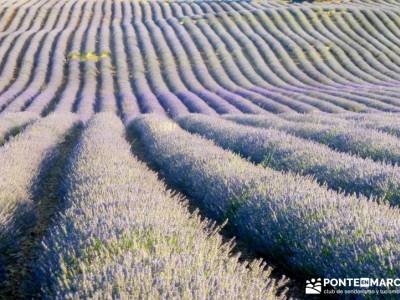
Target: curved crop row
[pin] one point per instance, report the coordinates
(84, 104)
(53, 24)
(22, 19)
(69, 93)
(145, 96)
(34, 70)
(312, 229)
(251, 64)
(55, 77)
(284, 152)
(207, 69)
(275, 44)
(388, 123)
(294, 66)
(121, 234)
(220, 62)
(385, 122)
(107, 101)
(359, 141)
(13, 49)
(186, 87)
(22, 160)
(207, 77)
(202, 57)
(128, 106)
(168, 100)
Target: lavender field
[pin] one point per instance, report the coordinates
(198, 149)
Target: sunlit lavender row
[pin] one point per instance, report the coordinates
(312, 229)
(386, 122)
(112, 221)
(23, 160)
(350, 138)
(284, 152)
(120, 234)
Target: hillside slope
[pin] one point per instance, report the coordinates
(211, 57)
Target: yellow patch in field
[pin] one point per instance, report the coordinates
(89, 56)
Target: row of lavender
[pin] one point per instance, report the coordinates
(205, 57)
(23, 159)
(147, 20)
(280, 150)
(116, 232)
(287, 216)
(309, 227)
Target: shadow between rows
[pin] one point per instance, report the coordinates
(18, 252)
